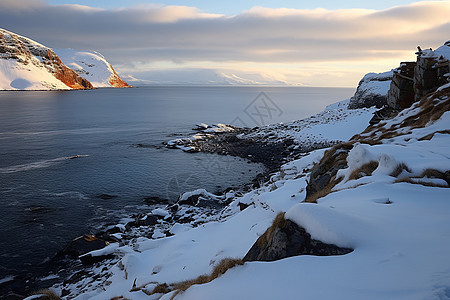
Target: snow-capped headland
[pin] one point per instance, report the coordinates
(28, 65)
(91, 65)
(366, 217)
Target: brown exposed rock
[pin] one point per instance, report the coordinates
(116, 81)
(323, 175)
(429, 73)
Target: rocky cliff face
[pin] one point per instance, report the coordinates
(400, 88)
(29, 56)
(401, 92)
(431, 70)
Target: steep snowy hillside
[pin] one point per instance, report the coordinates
(92, 66)
(28, 65)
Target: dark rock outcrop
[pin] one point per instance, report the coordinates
(285, 239)
(323, 174)
(82, 245)
(401, 92)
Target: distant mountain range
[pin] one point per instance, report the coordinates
(28, 65)
(193, 76)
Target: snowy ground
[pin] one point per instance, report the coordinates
(398, 226)
(33, 76)
(335, 123)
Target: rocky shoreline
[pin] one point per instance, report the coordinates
(241, 142)
(73, 263)
(269, 145)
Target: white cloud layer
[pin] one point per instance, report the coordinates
(138, 35)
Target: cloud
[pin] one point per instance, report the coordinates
(20, 6)
(137, 35)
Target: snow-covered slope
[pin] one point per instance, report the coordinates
(372, 90)
(28, 65)
(91, 65)
(395, 217)
(334, 124)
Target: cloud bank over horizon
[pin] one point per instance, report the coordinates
(313, 47)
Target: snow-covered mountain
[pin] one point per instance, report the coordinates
(91, 65)
(204, 77)
(29, 65)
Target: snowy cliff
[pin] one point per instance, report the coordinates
(28, 65)
(91, 65)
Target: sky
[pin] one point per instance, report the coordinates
(312, 43)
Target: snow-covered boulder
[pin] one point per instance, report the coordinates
(28, 65)
(286, 239)
(91, 65)
(372, 90)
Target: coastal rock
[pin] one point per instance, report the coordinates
(201, 198)
(82, 245)
(285, 239)
(147, 220)
(372, 90)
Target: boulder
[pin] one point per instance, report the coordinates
(82, 245)
(285, 239)
(323, 174)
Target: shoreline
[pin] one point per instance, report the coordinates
(65, 265)
(271, 145)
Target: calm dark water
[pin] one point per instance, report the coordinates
(48, 199)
